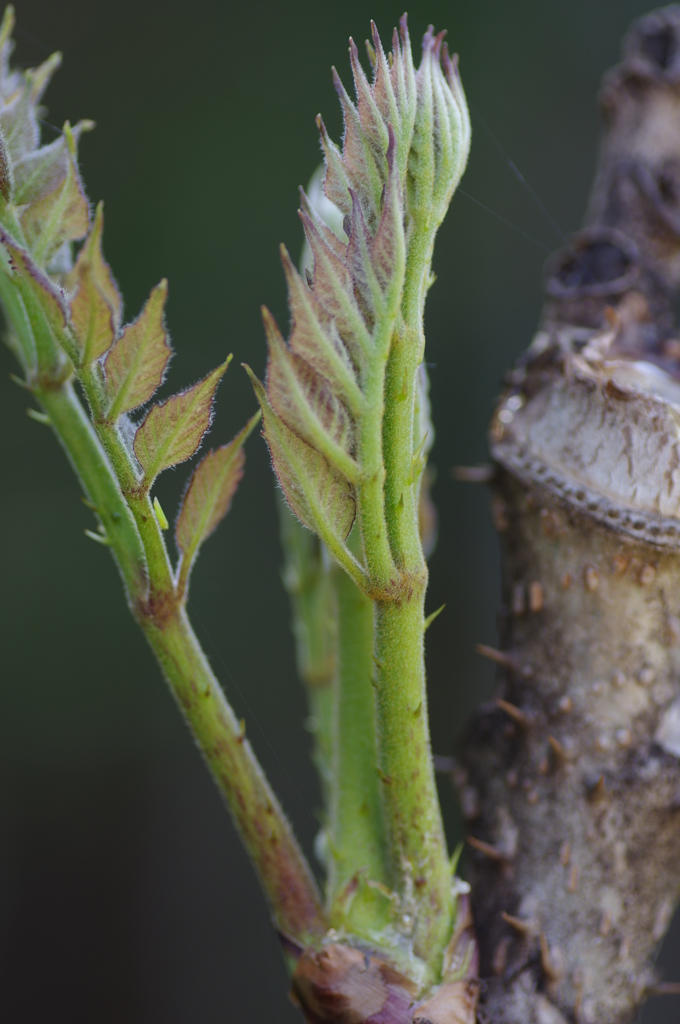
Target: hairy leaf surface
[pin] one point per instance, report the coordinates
(62, 215)
(318, 494)
(304, 398)
(172, 431)
(208, 496)
(137, 360)
(96, 307)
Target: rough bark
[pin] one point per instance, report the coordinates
(575, 769)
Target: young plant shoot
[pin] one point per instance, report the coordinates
(345, 416)
(343, 413)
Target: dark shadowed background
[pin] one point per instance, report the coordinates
(124, 894)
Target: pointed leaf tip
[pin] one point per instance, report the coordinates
(173, 430)
(208, 497)
(136, 363)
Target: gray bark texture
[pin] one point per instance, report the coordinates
(571, 778)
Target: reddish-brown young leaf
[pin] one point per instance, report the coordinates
(92, 319)
(208, 497)
(172, 431)
(318, 494)
(62, 215)
(137, 360)
(303, 397)
(92, 266)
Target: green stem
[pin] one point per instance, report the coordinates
(161, 583)
(307, 578)
(357, 835)
(412, 816)
(88, 459)
(278, 861)
(266, 834)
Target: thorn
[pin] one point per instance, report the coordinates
(504, 659)
(573, 879)
(597, 790)
(482, 474)
(565, 854)
(499, 657)
(565, 705)
(160, 515)
(536, 597)
(492, 852)
(550, 968)
(383, 778)
(524, 928)
(20, 381)
(663, 988)
(591, 578)
(89, 504)
(557, 749)
(430, 618)
(99, 537)
(517, 715)
(39, 417)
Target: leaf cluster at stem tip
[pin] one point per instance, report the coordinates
(356, 341)
(66, 321)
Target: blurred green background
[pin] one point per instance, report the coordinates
(124, 895)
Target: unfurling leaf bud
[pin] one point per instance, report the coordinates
(405, 147)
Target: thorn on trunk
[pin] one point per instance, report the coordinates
(520, 717)
(663, 988)
(549, 960)
(505, 659)
(492, 852)
(596, 788)
(524, 928)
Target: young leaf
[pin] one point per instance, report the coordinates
(318, 494)
(305, 401)
(96, 307)
(137, 360)
(63, 215)
(92, 319)
(172, 431)
(44, 302)
(91, 261)
(208, 497)
(41, 171)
